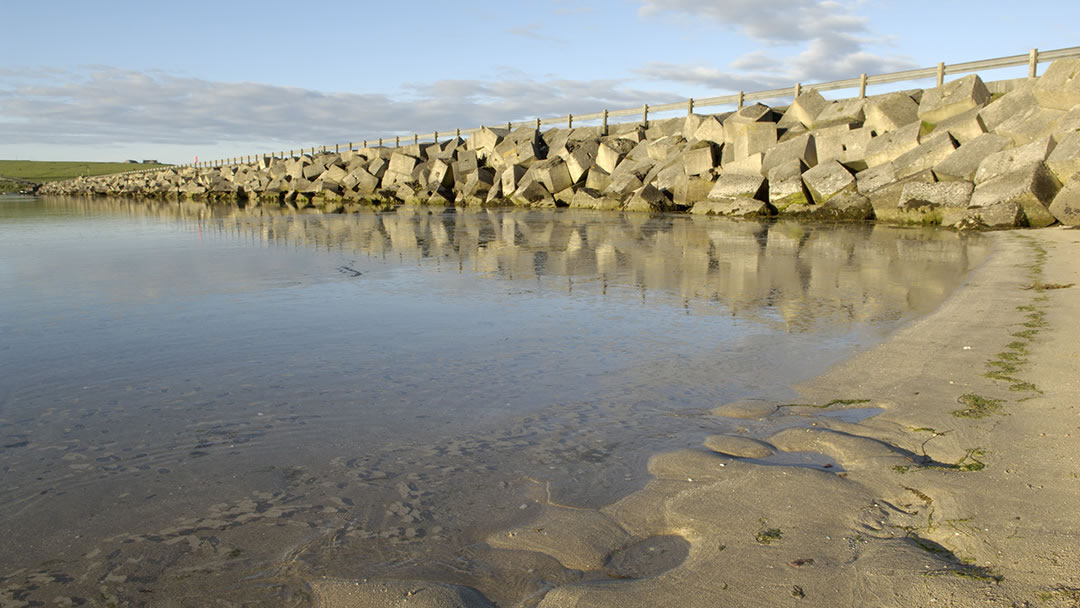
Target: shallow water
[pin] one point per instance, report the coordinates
(219, 403)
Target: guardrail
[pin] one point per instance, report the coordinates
(1032, 59)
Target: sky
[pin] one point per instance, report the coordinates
(117, 79)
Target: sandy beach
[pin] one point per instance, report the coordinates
(956, 479)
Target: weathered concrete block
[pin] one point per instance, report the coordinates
(751, 165)
(623, 184)
(1001, 215)
(1030, 125)
(841, 112)
(648, 198)
(486, 139)
(886, 199)
(890, 112)
(1066, 204)
(844, 144)
(868, 180)
(847, 206)
(665, 176)
(700, 159)
(312, 172)
(751, 138)
(403, 163)
(510, 178)
(661, 150)
(888, 147)
(362, 181)
(964, 161)
(732, 186)
(750, 114)
(953, 98)
(733, 207)
(710, 129)
(442, 174)
(786, 187)
(801, 149)
(1032, 187)
(1064, 160)
(1010, 159)
(554, 174)
(496, 194)
(580, 159)
(466, 162)
(827, 180)
(930, 152)
(378, 167)
(803, 110)
(963, 127)
(1059, 86)
(532, 194)
(597, 179)
(690, 189)
(919, 195)
(610, 153)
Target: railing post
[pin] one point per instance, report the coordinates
(862, 86)
(798, 89)
(1033, 63)
(508, 126)
(435, 137)
(569, 121)
(538, 124)
(690, 107)
(457, 133)
(397, 141)
(415, 139)
(336, 151)
(940, 74)
(605, 122)
(645, 115)
(741, 99)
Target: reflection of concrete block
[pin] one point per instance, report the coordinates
(1032, 187)
(953, 98)
(828, 180)
(964, 161)
(1059, 86)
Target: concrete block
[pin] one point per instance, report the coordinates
(1066, 204)
(587, 198)
(649, 198)
(710, 129)
(868, 180)
(1069, 123)
(1059, 86)
(1002, 215)
(1027, 126)
(733, 207)
(403, 163)
(786, 187)
(378, 167)
(963, 163)
(634, 134)
(963, 127)
(362, 181)
(731, 186)
(610, 154)
(1032, 187)
(532, 194)
(554, 174)
(667, 175)
(581, 158)
(886, 199)
(661, 150)
(701, 159)
(827, 180)
(888, 147)
(930, 152)
(659, 129)
(690, 189)
(623, 184)
(640, 152)
(847, 206)
(751, 165)
(496, 194)
(442, 174)
(750, 138)
(467, 161)
(803, 110)
(802, 149)
(921, 195)
(312, 172)
(510, 178)
(750, 114)
(890, 112)
(841, 112)
(1064, 160)
(844, 144)
(597, 179)
(953, 98)
(486, 139)
(690, 124)
(1010, 159)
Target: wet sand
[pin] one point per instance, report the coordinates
(961, 488)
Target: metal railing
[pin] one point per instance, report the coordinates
(1032, 59)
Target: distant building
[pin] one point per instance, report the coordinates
(150, 162)
(132, 162)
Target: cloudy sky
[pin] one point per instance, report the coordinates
(121, 79)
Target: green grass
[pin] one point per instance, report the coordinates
(49, 171)
(977, 406)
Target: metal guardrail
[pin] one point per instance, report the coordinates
(1032, 59)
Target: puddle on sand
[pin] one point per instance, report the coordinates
(200, 404)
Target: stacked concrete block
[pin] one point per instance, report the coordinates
(923, 195)
(709, 129)
(842, 112)
(964, 162)
(648, 198)
(803, 148)
(803, 110)
(1064, 160)
(827, 180)
(1059, 86)
(1027, 126)
(963, 127)
(786, 187)
(1010, 159)
(700, 159)
(890, 112)
(953, 98)
(928, 153)
(1066, 204)
(888, 147)
(1032, 187)
(731, 186)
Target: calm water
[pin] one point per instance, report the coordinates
(219, 404)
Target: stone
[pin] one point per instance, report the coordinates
(710, 129)
(609, 155)
(402, 163)
(1066, 204)
(531, 193)
(1010, 159)
(553, 174)
(786, 187)
(510, 177)
(924, 156)
(486, 139)
(953, 98)
(734, 207)
(886, 148)
(598, 179)
(750, 138)
(919, 195)
(739, 447)
(803, 110)
(844, 144)
(1059, 86)
(963, 127)
(801, 149)
(751, 165)
(1032, 187)
(648, 198)
(442, 175)
(1064, 160)
(731, 186)
(690, 189)
(842, 112)
(1018, 100)
(889, 112)
(700, 160)
(827, 180)
(963, 163)
(1030, 125)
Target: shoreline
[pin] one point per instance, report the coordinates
(961, 491)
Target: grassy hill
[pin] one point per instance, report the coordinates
(49, 171)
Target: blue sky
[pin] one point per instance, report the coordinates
(114, 80)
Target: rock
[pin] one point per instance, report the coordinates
(731, 186)
(888, 147)
(1010, 159)
(710, 129)
(690, 189)
(1066, 205)
(751, 165)
(553, 174)
(842, 112)
(963, 163)
(403, 163)
(963, 127)
(1016, 101)
(750, 138)
(1064, 160)
(1030, 125)
(1059, 86)
(953, 98)
(889, 112)
(803, 110)
(739, 447)
(918, 195)
(1032, 187)
(648, 198)
(802, 148)
(734, 207)
(828, 180)
(700, 160)
(786, 187)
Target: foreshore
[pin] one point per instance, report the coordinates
(960, 488)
